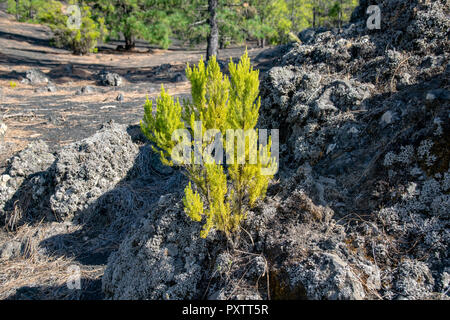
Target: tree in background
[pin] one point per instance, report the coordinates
(80, 40)
(231, 19)
(149, 20)
(331, 13)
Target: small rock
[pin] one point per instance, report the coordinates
(331, 147)
(307, 35)
(163, 68)
(120, 97)
(68, 68)
(51, 87)
(36, 76)
(430, 96)
(438, 94)
(107, 107)
(5, 178)
(353, 130)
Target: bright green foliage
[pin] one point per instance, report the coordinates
(80, 41)
(218, 194)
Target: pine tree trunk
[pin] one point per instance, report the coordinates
(213, 38)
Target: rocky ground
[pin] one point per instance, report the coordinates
(359, 209)
(51, 95)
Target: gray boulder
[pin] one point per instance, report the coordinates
(25, 184)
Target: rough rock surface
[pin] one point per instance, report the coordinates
(85, 90)
(364, 121)
(50, 87)
(87, 169)
(25, 184)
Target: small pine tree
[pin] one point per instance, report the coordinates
(82, 40)
(218, 194)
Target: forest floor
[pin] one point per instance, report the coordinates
(62, 116)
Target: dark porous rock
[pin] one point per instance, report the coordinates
(307, 35)
(179, 77)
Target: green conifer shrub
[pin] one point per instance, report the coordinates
(82, 40)
(219, 193)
